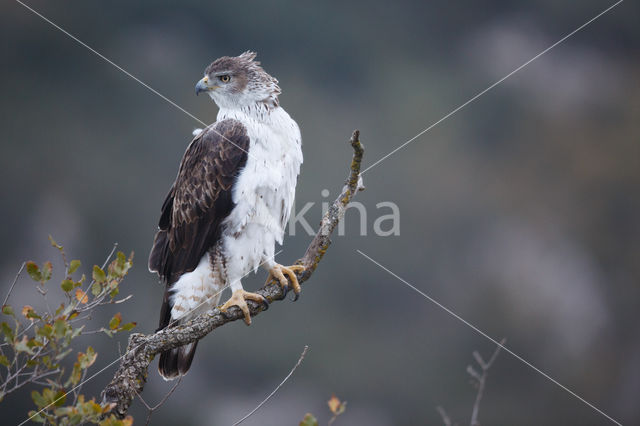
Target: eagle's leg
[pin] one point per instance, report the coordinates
(278, 273)
(239, 298)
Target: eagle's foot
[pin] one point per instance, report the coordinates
(278, 273)
(239, 298)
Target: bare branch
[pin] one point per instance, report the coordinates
(302, 355)
(130, 378)
(478, 380)
(113, 250)
(479, 359)
(481, 379)
(13, 283)
(445, 418)
(159, 404)
(116, 302)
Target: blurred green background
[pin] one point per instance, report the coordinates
(521, 212)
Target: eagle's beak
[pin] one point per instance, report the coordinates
(203, 86)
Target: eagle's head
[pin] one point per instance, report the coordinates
(238, 81)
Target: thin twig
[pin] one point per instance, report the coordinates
(481, 379)
(113, 250)
(116, 302)
(445, 418)
(304, 352)
(13, 284)
(159, 404)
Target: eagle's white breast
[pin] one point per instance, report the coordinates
(265, 188)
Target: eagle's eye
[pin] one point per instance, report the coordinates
(224, 78)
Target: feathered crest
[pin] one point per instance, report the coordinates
(249, 56)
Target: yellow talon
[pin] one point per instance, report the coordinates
(238, 298)
(278, 273)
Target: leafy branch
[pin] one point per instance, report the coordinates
(38, 343)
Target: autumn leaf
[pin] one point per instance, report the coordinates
(81, 296)
(29, 312)
(115, 321)
(334, 404)
(87, 359)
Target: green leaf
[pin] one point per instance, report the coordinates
(73, 266)
(23, 346)
(53, 243)
(55, 398)
(7, 310)
(59, 398)
(76, 419)
(77, 331)
(98, 274)
(45, 331)
(38, 399)
(33, 342)
(63, 412)
(60, 309)
(34, 271)
(4, 360)
(47, 270)
(67, 285)
(96, 288)
(46, 360)
(309, 420)
(60, 328)
(8, 332)
(36, 417)
(75, 376)
(129, 326)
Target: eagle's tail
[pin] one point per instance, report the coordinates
(176, 362)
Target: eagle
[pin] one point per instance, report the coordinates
(230, 202)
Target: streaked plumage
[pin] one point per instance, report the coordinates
(231, 199)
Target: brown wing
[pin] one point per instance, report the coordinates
(199, 200)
